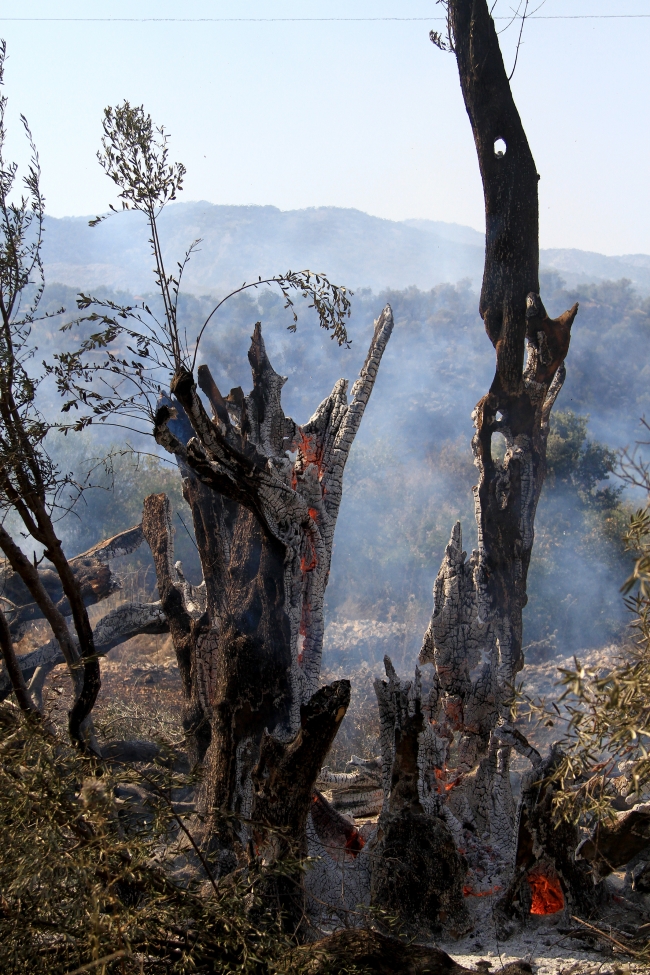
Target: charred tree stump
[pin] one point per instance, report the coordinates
(417, 872)
(548, 875)
(265, 495)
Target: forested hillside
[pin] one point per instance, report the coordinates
(239, 241)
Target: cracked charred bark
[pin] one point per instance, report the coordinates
(474, 639)
(265, 495)
(417, 872)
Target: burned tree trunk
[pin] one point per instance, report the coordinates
(475, 636)
(474, 639)
(547, 875)
(417, 872)
(265, 495)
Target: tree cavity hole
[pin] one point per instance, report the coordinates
(498, 446)
(499, 148)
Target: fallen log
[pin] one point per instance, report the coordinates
(91, 570)
(128, 620)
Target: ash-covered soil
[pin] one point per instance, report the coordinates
(141, 697)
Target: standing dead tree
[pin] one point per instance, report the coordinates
(474, 639)
(265, 494)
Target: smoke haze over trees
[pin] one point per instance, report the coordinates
(417, 483)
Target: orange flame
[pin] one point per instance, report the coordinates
(546, 889)
(313, 514)
(306, 566)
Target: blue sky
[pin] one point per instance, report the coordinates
(352, 114)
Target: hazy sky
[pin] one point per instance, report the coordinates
(352, 114)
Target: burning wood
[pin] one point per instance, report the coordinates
(547, 895)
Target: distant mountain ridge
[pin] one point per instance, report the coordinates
(238, 242)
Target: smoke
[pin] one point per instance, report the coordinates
(410, 473)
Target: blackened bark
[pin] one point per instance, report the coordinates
(19, 686)
(128, 620)
(264, 525)
(87, 695)
(446, 760)
(519, 402)
(285, 775)
(183, 624)
(417, 872)
(612, 845)
(547, 877)
(284, 794)
(73, 585)
(29, 574)
(474, 639)
(511, 270)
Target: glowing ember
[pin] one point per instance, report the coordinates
(338, 834)
(313, 514)
(311, 451)
(470, 892)
(355, 843)
(454, 712)
(442, 780)
(546, 889)
(308, 561)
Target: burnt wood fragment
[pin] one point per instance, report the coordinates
(370, 951)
